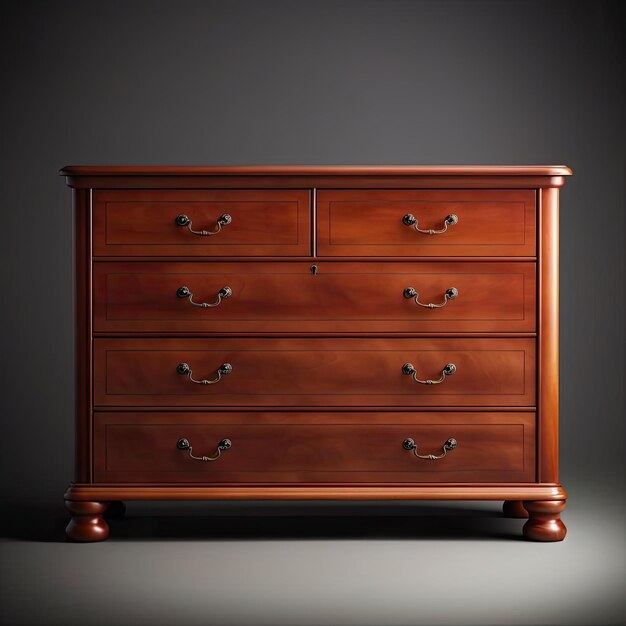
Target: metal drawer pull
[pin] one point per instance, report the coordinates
(222, 370)
(411, 220)
(223, 293)
(450, 294)
(225, 444)
(222, 220)
(409, 370)
(409, 444)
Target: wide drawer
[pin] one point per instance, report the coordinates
(287, 297)
(264, 222)
(381, 222)
(314, 372)
(289, 448)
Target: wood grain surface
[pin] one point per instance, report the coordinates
(314, 372)
(364, 222)
(491, 447)
(143, 222)
(287, 297)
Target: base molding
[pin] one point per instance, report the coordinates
(87, 503)
(126, 491)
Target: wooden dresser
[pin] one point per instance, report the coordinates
(334, 333)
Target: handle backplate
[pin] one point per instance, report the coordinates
(450, 444)
(410, 220)
(409, 370)
(222, 294)
(185, 370)
(184, 444)
(449, 294)
(223, 220)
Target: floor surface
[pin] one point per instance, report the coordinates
(246, 564)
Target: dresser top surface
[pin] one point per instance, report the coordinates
(316, 170)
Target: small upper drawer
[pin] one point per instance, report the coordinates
(214, 223)
(423, 223)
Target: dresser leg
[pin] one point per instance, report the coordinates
(115, 510)
(544, 521)
(514, 508)
(87, 522)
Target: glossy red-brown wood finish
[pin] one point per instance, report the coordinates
(314, 372)
(494, 447)
(360, 223)
(143, 223)
(548, 340)
(441, 172)
(287, 181)
(87, 522)
(284, 491)
(340, 297)
(540, 490)
(544, 520)
(320, 177)
(83, 331)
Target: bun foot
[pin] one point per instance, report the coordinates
(116, 510)
(514, 508)
(544, 521)
(87, 523)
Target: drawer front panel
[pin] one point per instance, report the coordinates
(144, 223)
(490, 447)
(287, 297)
(314, 372)
(371, 223)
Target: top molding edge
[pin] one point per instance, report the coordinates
(316, 170)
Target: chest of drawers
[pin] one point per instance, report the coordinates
(361, 333)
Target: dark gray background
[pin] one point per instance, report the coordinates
(295, 82)
(371, 82)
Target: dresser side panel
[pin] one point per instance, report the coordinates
(83, 329)
(548, 341)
